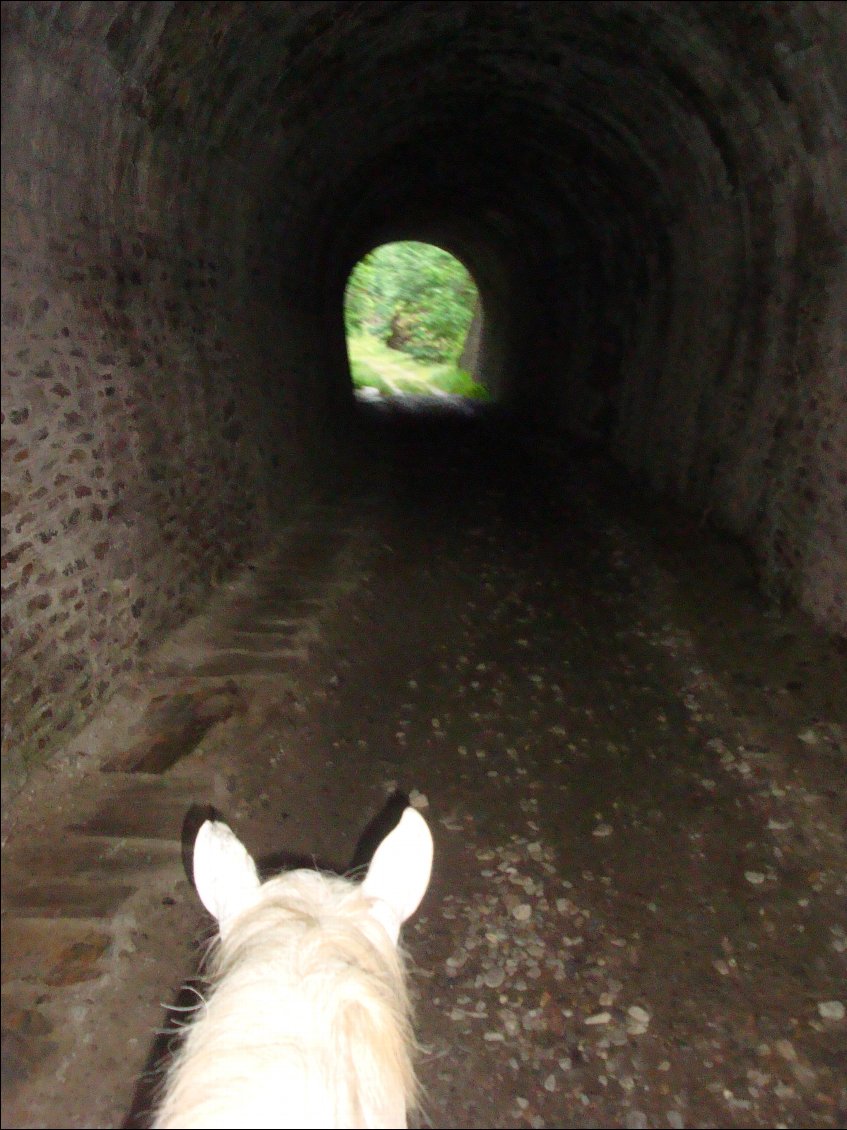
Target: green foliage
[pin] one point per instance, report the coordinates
(457, 382)
(374, 365)
(414, 297)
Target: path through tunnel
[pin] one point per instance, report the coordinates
(649, 196)
(598, 622)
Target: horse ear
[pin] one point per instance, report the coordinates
(224, 872)
(399, 872)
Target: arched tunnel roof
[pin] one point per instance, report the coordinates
(526, 137)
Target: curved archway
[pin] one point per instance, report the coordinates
(413, 318)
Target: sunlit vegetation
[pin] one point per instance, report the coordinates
(407, 310)
(373, 365)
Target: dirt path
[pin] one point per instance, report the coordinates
(634, 775)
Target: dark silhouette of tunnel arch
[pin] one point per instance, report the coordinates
(489, 226)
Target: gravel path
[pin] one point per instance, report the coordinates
(633, 770)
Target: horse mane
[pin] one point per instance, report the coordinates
(306, 1022)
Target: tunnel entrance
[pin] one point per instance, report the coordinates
(412, 316)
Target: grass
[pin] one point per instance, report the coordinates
(374, 365)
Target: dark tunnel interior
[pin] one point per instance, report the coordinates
(650, 197)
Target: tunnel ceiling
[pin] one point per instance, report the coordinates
(539, 141)
(383, 109)
(597, 116)
(650, 196)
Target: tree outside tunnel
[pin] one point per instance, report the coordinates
(408, 312)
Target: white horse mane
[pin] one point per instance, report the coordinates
(307, 1021)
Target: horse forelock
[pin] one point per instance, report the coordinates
(306, 987)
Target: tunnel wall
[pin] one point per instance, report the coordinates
(757, 440)
(699, 334)
(137, 475)
(152, 420)
(650, 197)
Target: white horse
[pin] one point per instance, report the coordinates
(307, 1022)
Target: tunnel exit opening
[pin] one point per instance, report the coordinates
(412, 319)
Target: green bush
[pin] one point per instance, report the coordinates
(414, 297)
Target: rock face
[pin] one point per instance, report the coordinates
(650, 196)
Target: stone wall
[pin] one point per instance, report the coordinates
(135, 467)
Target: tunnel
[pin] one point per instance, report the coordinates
(651, 200)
